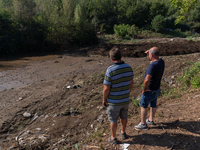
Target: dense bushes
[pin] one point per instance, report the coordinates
(158, 23)
(40, 25)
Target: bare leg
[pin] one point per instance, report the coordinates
(123, 125)
(143, 115)
(113, 127)
(152, 113)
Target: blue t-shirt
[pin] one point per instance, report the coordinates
(155, 69)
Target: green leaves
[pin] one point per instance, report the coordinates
(185, 7)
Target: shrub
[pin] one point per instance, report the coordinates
(191, 76)
(158, 23)
(195, 82)
(135, 102)
(121, 30)
(133, 31)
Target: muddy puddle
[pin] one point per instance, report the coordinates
(12, 74)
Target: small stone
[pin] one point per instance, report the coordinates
(38, 129)
(42, 138)
(100, 108)
(28, 132)
(172, 77)
(26, 115)
(173, 85)
(20, 98)
(92, 126)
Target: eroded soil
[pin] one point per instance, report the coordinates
(64, 95)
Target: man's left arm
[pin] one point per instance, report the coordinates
(146, 83)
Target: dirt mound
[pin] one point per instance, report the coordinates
(167, 48)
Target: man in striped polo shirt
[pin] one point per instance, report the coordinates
(118, 83)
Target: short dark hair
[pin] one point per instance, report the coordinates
(115, 54)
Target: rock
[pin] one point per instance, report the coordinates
(92, 126)
(26, 114)
(172, 77)
(173, 85)
(42, 138)
(76, 87)
(100, 108)
(28, 132)
(38, 129)
(100, 118)
(20, 98)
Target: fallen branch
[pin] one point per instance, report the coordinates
(163, 128)
(173, 144)
(88, 146)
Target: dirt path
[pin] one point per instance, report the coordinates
(73, 117)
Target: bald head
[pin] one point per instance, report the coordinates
(155, 51)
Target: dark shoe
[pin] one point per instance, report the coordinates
(124, 136)
(151, 123)
(114, 141)
(141, 126)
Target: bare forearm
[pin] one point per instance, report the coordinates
(132, 82)
(106, 91)
(146, 83)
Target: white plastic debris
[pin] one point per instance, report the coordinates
(124, 146)
(68, 87)
(26, 114)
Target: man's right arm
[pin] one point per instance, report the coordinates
(106, 91)
(146, 83)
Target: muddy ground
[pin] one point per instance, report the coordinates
(62, 96)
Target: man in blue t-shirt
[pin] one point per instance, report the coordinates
(151, 88)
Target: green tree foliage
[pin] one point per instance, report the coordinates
(121, 30)
(185, 6)
(158, 23)
(40, 25)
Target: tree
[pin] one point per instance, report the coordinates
(185, 7)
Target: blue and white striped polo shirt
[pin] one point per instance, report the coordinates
(118, 76)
